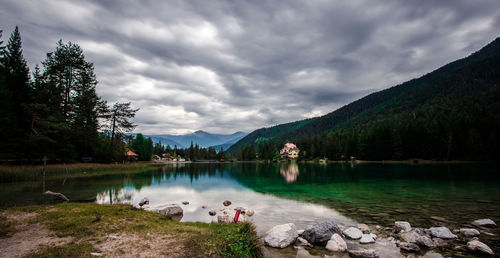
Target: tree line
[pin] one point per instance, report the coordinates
(54, 111)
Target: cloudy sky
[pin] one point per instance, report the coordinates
(224, 66)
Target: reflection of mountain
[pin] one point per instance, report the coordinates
(289, 171)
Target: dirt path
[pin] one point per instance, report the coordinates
(28, 237)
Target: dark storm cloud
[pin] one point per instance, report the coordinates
(224, 66)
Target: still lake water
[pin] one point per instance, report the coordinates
(376, 194)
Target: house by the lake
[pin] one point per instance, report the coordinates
(289, 151)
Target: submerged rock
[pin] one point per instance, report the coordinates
(281, 236)
(441, 232)
(469, 232)
(366, 239)
(410, 237)
(226, 203)
(364, 228)
(484, 223)
(363, 253)
(144, 201)
(477, 246)
(409, 247)
(319, 234)
(336, 244)
(401, 226)
(426, 242)
(353, 233)
(185, 203)
(212, 213)
(439, 242)
(302, 242)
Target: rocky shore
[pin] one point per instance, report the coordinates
(357, 240)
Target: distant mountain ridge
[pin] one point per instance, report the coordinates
(202, 138)
(453, 105)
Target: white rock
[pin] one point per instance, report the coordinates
(353, 233)
(441, 232)
(484, 222)
(171, 209)
(373, 236)
(366, 239)
(363, 253)
(402, 226)
(469, 232)
(96, 254)
(250, 212)
(281, 236)
(336, 244)
(477, 246)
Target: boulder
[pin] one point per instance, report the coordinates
(441, 232)
(366, 239)
(410, 237)
(409, 247)
(402, 226)
(321, 233)
(426, 242)
(353, 233)
(363, 253)
(336, 244)
(171, 209)
(250, 212)
(144, 201)
(281, 236)
(484, 223)
(477, 246)
(226, 203)
(469, 232)
(302, 242)
(364, 228)
(212, 213)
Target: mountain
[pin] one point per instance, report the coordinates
(451, 112)
(202, 138)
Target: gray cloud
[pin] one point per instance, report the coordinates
(224, 66)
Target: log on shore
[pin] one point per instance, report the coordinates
(58, 195)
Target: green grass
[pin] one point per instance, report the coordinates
(85, 221)
(34, 173)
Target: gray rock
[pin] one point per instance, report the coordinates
(366, 239)
(281, 236)
(336, 244)
(410, 237)
(250, 212)
(373, 236)
(484, 223)
(212, 212)
(226, 203)
(409, 247)
(441, 232)
(469, 232)
(439, 242)
(402, 226)
(477, 246)
(353, 233)
(426, 242)
(319, 234)
(364, 228)
(144, 201)
(363, 253)
(302, 242)
(171, 209)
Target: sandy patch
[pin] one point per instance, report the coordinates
(135, 245)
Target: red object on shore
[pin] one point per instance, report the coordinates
(238, 211)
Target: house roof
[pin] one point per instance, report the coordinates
(131, 153)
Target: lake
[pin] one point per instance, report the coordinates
(376, 194)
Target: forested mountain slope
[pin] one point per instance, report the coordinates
(450, 113)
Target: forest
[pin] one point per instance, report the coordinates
(452, 113)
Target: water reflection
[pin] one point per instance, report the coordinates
(289, 171)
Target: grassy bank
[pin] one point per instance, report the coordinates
(33, 173)
(115, 230)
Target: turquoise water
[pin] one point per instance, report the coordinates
(375, 194)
